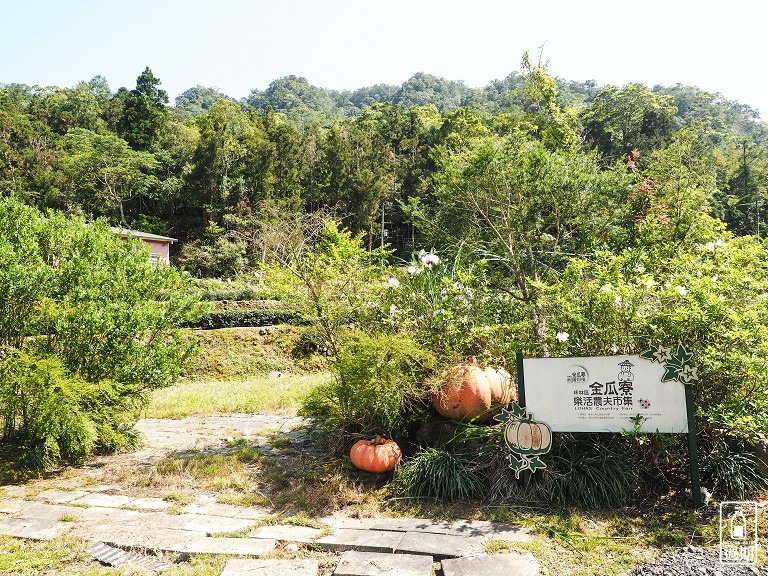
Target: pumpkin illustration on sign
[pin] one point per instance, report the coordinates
(525, 438)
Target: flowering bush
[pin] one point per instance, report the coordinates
(452, 309)
(712, 297)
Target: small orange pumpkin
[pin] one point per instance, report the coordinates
(473, 392)
(377, 455)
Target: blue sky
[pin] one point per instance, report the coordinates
(238, 45)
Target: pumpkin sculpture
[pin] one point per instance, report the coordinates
(474, 392)
(377, 455)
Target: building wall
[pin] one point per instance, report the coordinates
(162, 249)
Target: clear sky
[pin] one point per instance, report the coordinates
(239, 45)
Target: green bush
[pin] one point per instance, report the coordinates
(108, 339)
(243, 319)
(378, 389)
(52, 415)
(232, 294)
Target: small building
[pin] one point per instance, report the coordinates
(159, 246)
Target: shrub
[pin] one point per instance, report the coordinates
(378, 389)
(329, 278)
(709, 296)
(52, 414)
(233, 294)
(94, 336)
(243, 319)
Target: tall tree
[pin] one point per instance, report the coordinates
(143, 112)
(100, 172)
(621, 119)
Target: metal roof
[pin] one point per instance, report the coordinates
(127, 232)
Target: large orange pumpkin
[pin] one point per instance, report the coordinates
(377, 455)
(474, 392)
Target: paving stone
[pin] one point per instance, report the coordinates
(104, 500)
(491, 530)
(30, 509)
(174, 521)
(8, 506)
(507, 564)
(361, 540)
(240, 567)
(251, 513)
(61, 496)
(150, 504)
(440, 545)
(412, 525)
(218, 524)
(105, 488)
(237, 546)
(33, 528)
(287, 533)
(148, 537)
(347, 522)
(211, 509)
(13, 491)
(99, 514)
(354, 563)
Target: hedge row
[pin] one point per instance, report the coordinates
(244, 319)
(235, 294)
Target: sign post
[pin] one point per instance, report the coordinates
(650, 392)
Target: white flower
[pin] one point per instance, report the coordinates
(710, 246)
(562, 336)
(607, 288)
(438, 312)
(682, 290)
(411, 269)
(649, 282)
(614, 348)
(714, 278)
(719, 242)
(457, 286)
(617, 301)
(394, 282)
(640, 268)
(393, 309)
(430, 259)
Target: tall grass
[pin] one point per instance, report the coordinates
(253, 395)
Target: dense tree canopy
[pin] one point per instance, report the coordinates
(203, 170)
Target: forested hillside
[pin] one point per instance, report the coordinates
(221, 174)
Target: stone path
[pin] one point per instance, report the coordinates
(108, 517)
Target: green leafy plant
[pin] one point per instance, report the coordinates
(243, 319)
(95, 338)
(378, 389)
